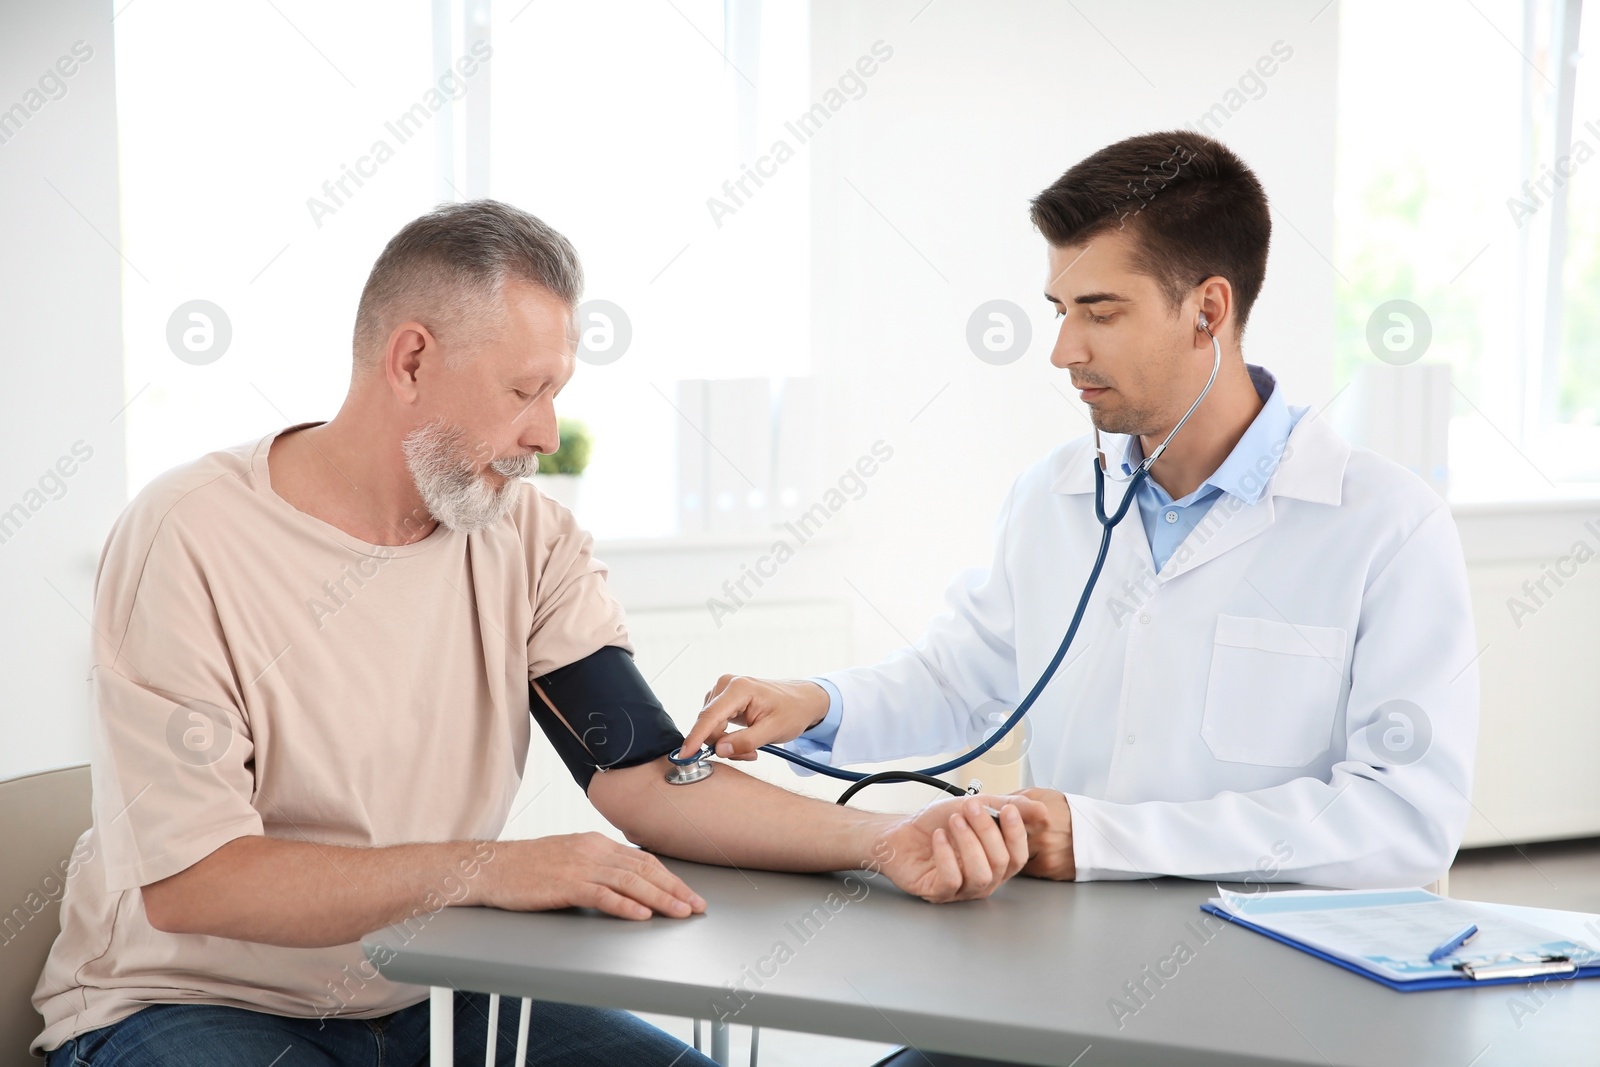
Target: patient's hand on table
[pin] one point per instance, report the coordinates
(953, 849)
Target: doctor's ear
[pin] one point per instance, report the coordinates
(1213, 303)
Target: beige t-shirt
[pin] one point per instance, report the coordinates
(259, 671)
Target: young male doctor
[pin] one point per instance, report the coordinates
(1275, 677)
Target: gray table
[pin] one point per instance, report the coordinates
(1028, 975)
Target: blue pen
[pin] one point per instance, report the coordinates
(1454, 943)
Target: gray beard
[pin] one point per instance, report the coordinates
(448, 481)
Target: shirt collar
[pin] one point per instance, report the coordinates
(1250, 465)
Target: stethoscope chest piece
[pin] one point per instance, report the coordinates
(692, 770)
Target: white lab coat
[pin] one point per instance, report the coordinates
(1215, 720)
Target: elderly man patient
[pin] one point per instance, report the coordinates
(315, 657)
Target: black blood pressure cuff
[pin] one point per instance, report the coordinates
(600, 714)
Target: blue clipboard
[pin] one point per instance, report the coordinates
(1461, 982)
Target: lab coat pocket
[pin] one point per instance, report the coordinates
(1273, 691)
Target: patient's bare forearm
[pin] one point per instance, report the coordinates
(732, 819)
(298, 894)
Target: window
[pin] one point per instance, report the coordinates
(254, 181)
(1451, 127)
(221, 154)
(638, 145)
(1577, 380)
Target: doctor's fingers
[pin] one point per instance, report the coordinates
(709, 728)
(1034, 815)
(728, 705)
(715, 690)
(739, 704)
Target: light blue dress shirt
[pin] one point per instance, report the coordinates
(1167, 522)
(1244, 473)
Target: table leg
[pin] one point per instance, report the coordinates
(441, 1027)
(522, 1032)
(494, 1029)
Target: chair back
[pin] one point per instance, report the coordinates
(42, 816)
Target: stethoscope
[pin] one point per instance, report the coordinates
(698, 766)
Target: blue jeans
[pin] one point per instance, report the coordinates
(209, 1035)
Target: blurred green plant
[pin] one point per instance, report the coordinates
(573, 454)
(1402, 244)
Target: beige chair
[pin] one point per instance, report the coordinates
(41, 818)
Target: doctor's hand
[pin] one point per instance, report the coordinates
(770, 711)
(955, 850)
(1049, 824)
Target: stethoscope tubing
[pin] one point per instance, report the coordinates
(1106, 527)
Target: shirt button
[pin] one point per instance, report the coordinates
(1145, 618)
(1130, 739)
(1172, 516)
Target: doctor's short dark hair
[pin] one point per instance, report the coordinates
(446, 270)
(1193, 207)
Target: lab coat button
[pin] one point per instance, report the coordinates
(1130, 739)
(1145, 618)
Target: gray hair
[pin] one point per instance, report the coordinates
(447, 269)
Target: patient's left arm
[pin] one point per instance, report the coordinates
(951, 850)
(614, 736)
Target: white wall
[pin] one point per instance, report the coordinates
(62, 360)
(1536, 600)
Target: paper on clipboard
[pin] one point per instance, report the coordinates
(1391, 932)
